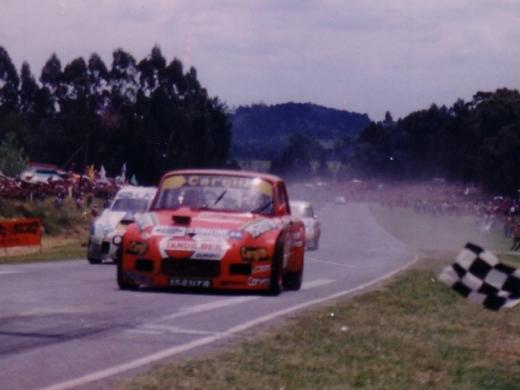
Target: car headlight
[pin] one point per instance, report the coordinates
(254, 254)
(137, 247)
(117, 240)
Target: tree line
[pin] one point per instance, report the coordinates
(475, 142)
(149, 114)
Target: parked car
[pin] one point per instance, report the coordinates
(113, 221)
(305, 212)
(43, 174)
(215, 229)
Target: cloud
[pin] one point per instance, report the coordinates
(371, 55)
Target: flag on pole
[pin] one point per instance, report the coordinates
(123, 171)
(102, 173)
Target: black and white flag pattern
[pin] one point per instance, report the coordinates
(478, 276)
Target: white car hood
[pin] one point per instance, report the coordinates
(107, 222)
(110, 218)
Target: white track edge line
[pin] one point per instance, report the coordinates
(108, 372)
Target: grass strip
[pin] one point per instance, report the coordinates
(69, 251)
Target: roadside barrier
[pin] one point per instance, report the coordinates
(20, 232)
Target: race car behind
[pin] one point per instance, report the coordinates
(305, 212)
(113, 221)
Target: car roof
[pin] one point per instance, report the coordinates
(227, 172)
(137, 190)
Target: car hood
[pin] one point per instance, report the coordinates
(206, 223)
(110, 219)
(206, 234)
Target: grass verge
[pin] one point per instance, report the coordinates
(69, 251)
(64, 230)
(411, 333)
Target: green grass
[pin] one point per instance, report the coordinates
(413, 333)
(70, 251)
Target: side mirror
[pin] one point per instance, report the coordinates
(282, 210)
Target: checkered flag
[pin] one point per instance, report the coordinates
(477, 275)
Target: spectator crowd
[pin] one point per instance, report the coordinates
(438, 197)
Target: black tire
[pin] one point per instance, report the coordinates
(276, 283)
(293, 280)
(121, 282)
(92, 260)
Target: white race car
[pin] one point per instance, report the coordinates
(305, 212)
(112, 223)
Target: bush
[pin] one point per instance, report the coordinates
(66, 219)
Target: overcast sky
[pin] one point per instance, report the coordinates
(361, 55)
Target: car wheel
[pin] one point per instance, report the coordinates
(92, 260)
(276, 282)
(293, 280)
(121, 282)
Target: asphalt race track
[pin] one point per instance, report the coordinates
(67, 325)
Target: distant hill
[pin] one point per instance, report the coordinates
(261, 131)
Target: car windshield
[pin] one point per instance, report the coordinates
(130, 204)
(302, 211)
(216, 192)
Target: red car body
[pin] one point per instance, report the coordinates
(225, 241)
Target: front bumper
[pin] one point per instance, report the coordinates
(102, 249)
(194, 273)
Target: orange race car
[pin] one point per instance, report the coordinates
(215, 229)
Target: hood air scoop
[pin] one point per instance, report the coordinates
(182, 217)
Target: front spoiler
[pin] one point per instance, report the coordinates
(234, 282)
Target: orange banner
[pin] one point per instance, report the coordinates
(20, 232)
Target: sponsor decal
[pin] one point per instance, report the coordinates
(220, 181)
(197, 248)
(164, 230)
(235, 235)
(194, 283)
(260, 269)
(176, 231)
(258, 282)
(137, 247)
(257, 228)
(207, 232)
